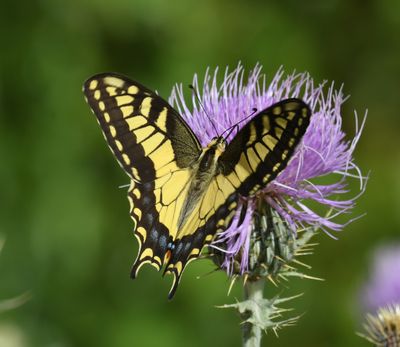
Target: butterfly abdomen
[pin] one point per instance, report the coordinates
(203, 173)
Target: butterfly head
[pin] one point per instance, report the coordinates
(218, 143)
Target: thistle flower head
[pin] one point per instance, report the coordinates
(383, 286)
(383, 329)
(323, 150)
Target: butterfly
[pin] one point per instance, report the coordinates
(182, 194)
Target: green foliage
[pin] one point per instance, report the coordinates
(69, 235)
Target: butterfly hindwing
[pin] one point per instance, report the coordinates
(212, 214)
(263, 147)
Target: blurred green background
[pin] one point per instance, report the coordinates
(69, 237)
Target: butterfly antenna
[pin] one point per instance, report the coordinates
(230, 129)
(203, 108)
(236, 125)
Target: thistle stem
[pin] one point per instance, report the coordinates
(253, 290)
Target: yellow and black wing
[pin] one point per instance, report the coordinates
(156, 148)
(263, 147)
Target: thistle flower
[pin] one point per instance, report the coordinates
(383, 329)
(274, 226)
(281, 205)
(383, 286)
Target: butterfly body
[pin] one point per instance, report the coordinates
(202, 172)
(181, 194)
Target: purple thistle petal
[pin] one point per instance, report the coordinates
(322, 151)
(237, 236)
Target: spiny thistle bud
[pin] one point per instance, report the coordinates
(273, 245)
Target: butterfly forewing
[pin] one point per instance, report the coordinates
(136, 121)
(262, 149)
